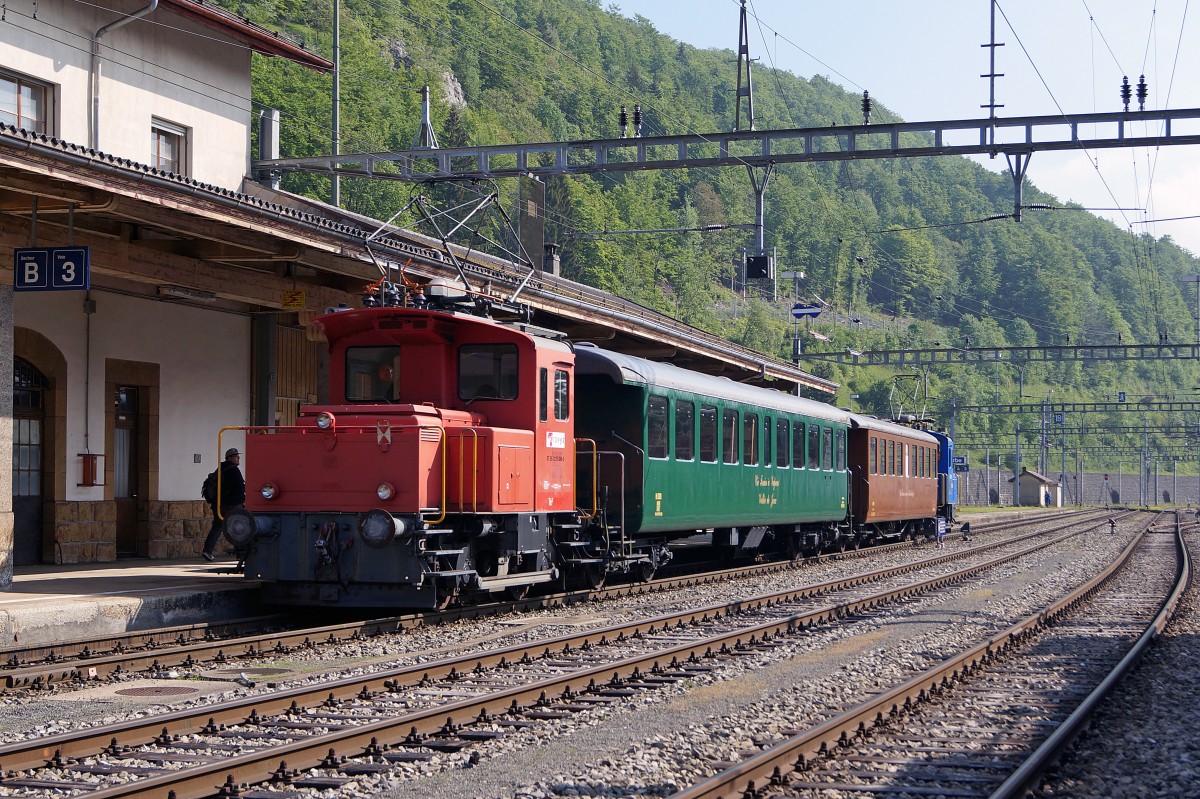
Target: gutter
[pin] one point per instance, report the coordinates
(94, 70)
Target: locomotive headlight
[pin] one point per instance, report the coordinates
(377, 528)
(240, 527)
(269, 491)
(385, 491)
(325, 420)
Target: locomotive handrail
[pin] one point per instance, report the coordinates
(474, 471)
(595, 477)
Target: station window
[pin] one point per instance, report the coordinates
(814, 447)
(827, 449)
(798, 459)
(656, 427)
(708, 434)
(25, 103)
(840, 451)
(487, 371)
(168, 147)
(685, 430)
(783, 435)
(874, 456)
(729, 436)
(750, 439)
(562, 394)
(373, 374)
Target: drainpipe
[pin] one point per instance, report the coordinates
(94, 71)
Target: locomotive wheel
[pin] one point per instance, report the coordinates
(589, 577)
(516, 593)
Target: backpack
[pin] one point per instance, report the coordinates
(208, 491)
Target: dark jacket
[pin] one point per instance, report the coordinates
(233, 486)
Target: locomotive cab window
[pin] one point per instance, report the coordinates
(543, 394)
(685, 430)
(656, 427)
(373, 374)
(487, 371)
(562, 395)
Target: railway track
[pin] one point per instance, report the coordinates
(324, 736)
(79, 662)
(988, 721)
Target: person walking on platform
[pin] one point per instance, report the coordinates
(232, 497)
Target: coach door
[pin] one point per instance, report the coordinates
(29, 387)
(125, 469)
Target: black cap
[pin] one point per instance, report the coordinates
(231, 452)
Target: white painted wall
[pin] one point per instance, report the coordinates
(160, 66)
(204, 369)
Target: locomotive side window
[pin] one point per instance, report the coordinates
(729, 436)
(782, 437)
(840, 451)
(798, 459)
(656, 427)
(685, 430)
(543, 394)
(372, 374)
(874, 455)
(487, 371)
(750, 439)
(708, 434)
(814, 447)
(562, 395)
(826, 449)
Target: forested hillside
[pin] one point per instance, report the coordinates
(896, 249)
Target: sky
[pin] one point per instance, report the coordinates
(924, 61)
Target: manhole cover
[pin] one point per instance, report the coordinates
(259, 672)
(157, 690)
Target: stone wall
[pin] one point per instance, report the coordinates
(86, 532)
(1165, 491)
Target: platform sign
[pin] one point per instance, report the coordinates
(1058, 418)
(52, 269)
(960, 460)
(960, 468)
(800, 310)
(1120, 396)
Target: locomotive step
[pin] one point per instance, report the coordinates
(524, 578)
(443, 553)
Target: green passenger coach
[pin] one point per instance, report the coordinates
(678, 452)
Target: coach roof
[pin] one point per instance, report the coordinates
(627, 369)
(880, 426)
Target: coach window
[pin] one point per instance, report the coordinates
(656, 427)
(708, 434)
(750, 439)
(729, 436)
(814, 447)
(827, 449)
(372, 374)
(487, 371)
(562, 394)
(872, 458)
(798, 459)
(840, 451)
(907, 460)
(782, 434)
(685, 430)
(766, 441)
(891, 446)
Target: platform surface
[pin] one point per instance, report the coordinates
(51, 603)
